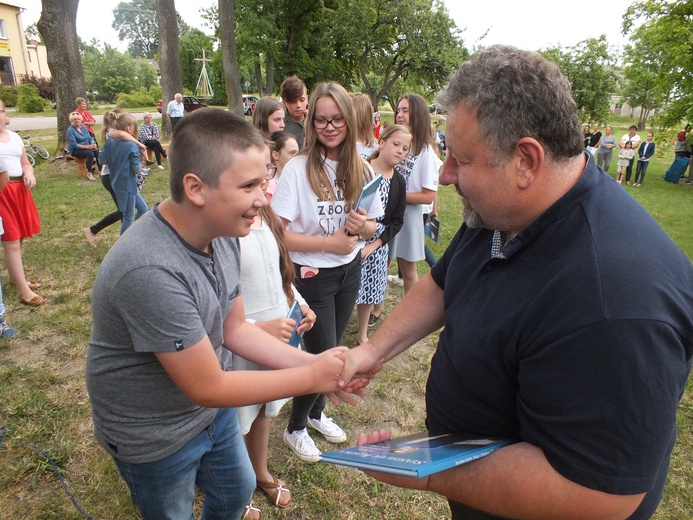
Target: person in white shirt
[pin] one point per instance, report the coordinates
(634, 139)
(314, 198)
(175, 110)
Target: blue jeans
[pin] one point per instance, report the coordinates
(135, 202)
(216, 460)
(640, 170)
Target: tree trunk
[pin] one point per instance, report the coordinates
(258, 79)
(229, 58)
(169, 57)
(58, 28)
(269, 77)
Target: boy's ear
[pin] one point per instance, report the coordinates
(194, 189)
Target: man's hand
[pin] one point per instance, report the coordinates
(359, 362)
(387, 478)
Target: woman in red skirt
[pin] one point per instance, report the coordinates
(17, 210)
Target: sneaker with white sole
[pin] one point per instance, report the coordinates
(161, 166)
(6, 331)
(328, 428)
(393, 278)
(302, 445)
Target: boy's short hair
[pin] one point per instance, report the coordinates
(204, 143)
(292, 88)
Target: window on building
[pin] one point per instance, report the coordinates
(3, 30)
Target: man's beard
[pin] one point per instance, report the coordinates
(469, 214)
(472, 218)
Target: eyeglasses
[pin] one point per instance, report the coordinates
(271, 172)
(321, 123)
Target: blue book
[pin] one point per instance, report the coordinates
(368, 193)
(432, 229)
(416, 455)
(296, 314)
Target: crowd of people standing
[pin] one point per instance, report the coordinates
(263, 217)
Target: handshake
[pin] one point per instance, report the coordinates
(341, 373)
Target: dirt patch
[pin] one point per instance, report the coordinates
(29, 352)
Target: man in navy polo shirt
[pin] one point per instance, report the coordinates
(547, 338)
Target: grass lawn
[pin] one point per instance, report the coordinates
(44, 402)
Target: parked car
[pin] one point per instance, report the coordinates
(249, 104)
(191, 103)
(437, 108)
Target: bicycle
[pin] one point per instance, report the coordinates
(34, 150)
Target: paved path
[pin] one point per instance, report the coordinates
(22, 124)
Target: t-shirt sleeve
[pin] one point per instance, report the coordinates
(286, 194)
(429, 164)
(158, 309)
(619, 445)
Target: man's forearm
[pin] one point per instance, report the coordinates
(418, 314)
(518, 482)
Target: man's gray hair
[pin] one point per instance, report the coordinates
(515, 94)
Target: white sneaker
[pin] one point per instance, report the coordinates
(302, 445)
(145, 171)
(393, 278)
(161, 166)
(328, 428)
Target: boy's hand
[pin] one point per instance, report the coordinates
(326, 369)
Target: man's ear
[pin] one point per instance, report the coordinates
(530, 159)
(194, 189)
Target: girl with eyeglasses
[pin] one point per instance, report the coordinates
(267, 276)
(314, 199)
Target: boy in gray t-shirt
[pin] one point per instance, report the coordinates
(165, 303)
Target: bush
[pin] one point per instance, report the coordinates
(29, 100)
(140, 98)
(44, 85)
(8, 94)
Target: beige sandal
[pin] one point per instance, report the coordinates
(275, 491)
(251, 512)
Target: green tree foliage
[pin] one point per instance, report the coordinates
(146, 76)
(28, 99)
(368, 44)
(646, 80)
(666, 28)
(398, 44)
(32, 33)
(590, 67)
(108, 72)
(136, 23)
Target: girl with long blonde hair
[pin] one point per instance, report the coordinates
(314, 198)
